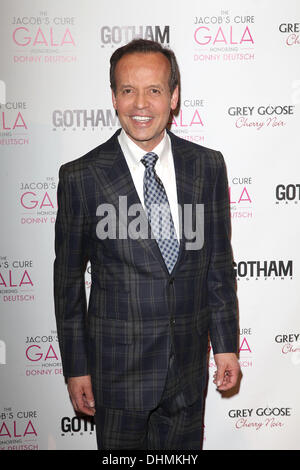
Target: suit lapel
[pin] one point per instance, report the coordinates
(112, 174)
(189, 181)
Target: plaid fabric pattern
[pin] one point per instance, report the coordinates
(159, 213)
(172, 425)
(137, 310)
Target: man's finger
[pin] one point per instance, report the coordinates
(80, 390)
(89, 397)
(220, 376)
(82, 405)
(230, 380)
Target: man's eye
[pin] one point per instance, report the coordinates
(155, 91)
(126, 91)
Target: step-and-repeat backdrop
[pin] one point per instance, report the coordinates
(240, 73)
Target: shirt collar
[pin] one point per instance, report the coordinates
(135, 153)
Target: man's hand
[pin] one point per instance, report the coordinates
(81, 394)
(228, 370)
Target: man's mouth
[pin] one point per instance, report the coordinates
(141, 118)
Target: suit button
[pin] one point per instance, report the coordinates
(173, 321)
(171, 281)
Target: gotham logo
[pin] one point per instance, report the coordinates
(84, 118)
(115, 35)
(287, 193)
(77, 426)
(264, 270)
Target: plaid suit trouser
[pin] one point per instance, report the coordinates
(171, 425)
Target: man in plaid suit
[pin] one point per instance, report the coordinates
(136, 358)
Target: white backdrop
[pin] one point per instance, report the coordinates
(240, 73)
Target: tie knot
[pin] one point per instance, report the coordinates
(149, 160)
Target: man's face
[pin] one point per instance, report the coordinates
(143, 99)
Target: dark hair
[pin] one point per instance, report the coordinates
(145, 46)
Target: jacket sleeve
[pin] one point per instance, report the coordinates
(223, 328)
(69, 270)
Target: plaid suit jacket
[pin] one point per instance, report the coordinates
(137, 309)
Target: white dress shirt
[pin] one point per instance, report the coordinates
(164, 168)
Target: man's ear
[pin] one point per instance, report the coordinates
(175, 98)
(114, 101)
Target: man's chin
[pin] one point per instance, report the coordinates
(145, 140)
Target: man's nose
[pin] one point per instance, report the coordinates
(141, 100)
